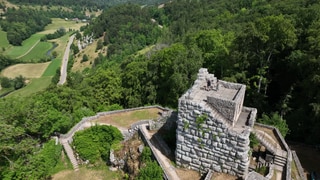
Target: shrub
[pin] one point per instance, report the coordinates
(95, 142)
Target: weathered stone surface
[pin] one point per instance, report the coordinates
(196, 161)
(216, 168)
(186, 158)
(185, 148)
(219, 147)
(180, 138)
(206, 165)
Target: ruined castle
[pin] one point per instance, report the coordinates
(214, 127)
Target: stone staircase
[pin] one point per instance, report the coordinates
(280, 156)
(70, 154)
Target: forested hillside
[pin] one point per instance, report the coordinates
(86, 3)
(271, 46)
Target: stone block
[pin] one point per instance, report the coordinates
(185, 149)
(219, 130)
(196, 112)
(178, 146)
(214, 144)
(232, 153)
(209, 141)
(193, 151)
(222, 161)
(206, 135)
(216, 168)
(234, 143)
(189, 136)
(192, 131)
(180, 138)
(231, 164)
(196, 161)
(186, 158)
(194, 156)
(206, 165)
(242, 155)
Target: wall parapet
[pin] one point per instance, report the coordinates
(144, 136)
(79, 125)
(298, 165)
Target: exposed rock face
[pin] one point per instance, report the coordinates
(212, 131)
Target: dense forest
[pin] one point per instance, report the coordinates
(271, 46)
(87, 3)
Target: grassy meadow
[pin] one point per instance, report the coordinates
(35, 85)
(52, 68)
(4, 43)
(27, 45)
(32, 50)
(37, 53)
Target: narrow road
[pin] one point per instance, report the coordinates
(63, 71)
(28, 50)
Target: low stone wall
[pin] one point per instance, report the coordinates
(298, 165)
(271, 172)
(146, 140)
(79, 125)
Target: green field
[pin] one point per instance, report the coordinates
(3, 40)
(52, 68)
(37, 53)
(58, 23)
(32, 50)
(17, 51)
(34, 86)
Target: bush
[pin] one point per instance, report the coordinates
(94, 143)
(85, 58)
(6, 82)
(151, 171)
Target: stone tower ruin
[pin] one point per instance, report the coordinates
(214, 127)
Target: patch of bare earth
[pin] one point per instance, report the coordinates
(82, 174)
(186, 174)
(222, 176)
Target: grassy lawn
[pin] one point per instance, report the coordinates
(35, 85)
(5, 90)
(52, 68)
(26, 70)
(37, 53)
(16, 51)
(3, 40)
(125, 119)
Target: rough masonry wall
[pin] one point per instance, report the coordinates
(211, 144)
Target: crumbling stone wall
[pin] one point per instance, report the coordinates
(213, 144)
